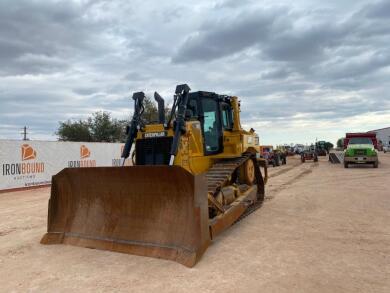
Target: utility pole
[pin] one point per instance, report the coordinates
(25, 133)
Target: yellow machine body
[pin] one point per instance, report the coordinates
(170, 212)
(191, 155)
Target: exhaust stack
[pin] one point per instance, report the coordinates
(161, 110)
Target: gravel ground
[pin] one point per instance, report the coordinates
(322, 228)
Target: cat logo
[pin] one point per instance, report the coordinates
(84, 152)
(28, 153)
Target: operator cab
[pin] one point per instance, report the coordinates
(215, 114)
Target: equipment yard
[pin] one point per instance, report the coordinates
(322, 228)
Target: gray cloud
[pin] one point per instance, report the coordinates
(379, 9)
(279, 73)
(225, 36)
(291, 63)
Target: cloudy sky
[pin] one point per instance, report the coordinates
(303, 69)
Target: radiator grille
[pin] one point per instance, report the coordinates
(360, 152)
(153, 151)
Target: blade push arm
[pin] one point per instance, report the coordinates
(138, 98)
(181, 95)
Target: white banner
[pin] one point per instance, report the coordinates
(32, 163)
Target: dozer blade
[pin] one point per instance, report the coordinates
(157, 211)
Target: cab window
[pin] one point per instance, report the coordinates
(192, 109)
(227, 116)
(211, 126)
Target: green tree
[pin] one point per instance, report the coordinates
(150, 114)
(328, 145)
(120, 126)
(104, 128)
(100, 127)
(340, 142)
(74, 131)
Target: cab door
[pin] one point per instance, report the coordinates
(211, 126)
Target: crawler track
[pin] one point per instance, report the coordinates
(252, 208)
(220, 175)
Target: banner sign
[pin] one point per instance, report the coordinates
(33, 163)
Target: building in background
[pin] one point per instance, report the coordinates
(383, 134)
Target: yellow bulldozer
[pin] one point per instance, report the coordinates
(194, 174)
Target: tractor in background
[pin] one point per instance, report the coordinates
(274, 157)
(321, 148)
(309, 153)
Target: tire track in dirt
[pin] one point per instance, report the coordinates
(287, 168)
(282, 171)
(6, 232)
(303, 172)
(18, 229)
(17, 251)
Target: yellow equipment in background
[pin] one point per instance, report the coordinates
(193, 176)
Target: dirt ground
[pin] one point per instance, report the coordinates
(322, 228)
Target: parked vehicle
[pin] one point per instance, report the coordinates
(309, 153)
(273, 156)
(380, 146)
(361, 148)
(299, 148)
(321, 148)
(286, 149)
